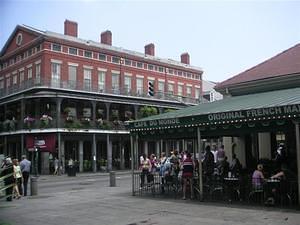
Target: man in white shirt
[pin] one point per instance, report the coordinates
(25, 168)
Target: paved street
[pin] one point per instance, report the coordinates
(88, 200)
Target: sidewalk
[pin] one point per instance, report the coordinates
(82, 174)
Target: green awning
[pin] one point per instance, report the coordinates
(274, 105)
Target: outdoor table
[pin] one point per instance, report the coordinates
(232, 185)
(271, 184)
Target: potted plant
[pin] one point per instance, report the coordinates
(45, 120)
(28, 121)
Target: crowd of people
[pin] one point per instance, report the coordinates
(16, 177)
(182, 167)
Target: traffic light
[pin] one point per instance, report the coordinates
(150, 88)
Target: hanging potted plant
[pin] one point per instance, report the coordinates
(45, 120)
(28, 121)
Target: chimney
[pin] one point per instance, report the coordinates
(150, 49)
(106, 37)
(71, 28)
(185, 58)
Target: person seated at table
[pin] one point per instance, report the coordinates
(235, 166)
(279, 191)
(258, 178)
(223, 168)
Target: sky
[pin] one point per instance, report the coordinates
(223, 38)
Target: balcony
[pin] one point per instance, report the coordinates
(93, 89)
(69, 123)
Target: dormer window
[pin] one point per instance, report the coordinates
(19, 39)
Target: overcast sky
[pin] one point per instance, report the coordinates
(224, 38)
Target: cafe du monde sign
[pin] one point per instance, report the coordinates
(263, 113)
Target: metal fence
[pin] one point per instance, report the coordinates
(272, 192)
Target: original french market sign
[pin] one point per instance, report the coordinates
(244, 115)
(255, 113)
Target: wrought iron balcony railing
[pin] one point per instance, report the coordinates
(89, 87)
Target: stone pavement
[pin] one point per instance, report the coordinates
(99, 204)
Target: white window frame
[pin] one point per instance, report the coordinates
(29, 73)
(140, 85)
(55, 74)
(87, 78)
(127, 83)
(115, 81)
(72, 78)
(101, 80)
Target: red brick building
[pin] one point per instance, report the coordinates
(70, 97)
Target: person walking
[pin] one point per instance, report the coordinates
(56, 168)
(18, 179)
(25, 168)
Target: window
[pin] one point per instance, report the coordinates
(11, 61)
(73, 51)
(7, 82)
(115, 83)
(88, 54)
(72, 76)
(15, 79)
(102, 57)
(161, 87)
(171, 71)
(56, 47)
(180, 89)
(21, 74)
(127, 84)
(127, 62)
(38, 73)
(189, 91)
(133, 63)
(139, 86)
(150, 67)
(55, 74)
(29, 52)
(29, 73)
(1, 84)
(139, 65)
(197, 93)
(115, 59)
(161, 69)
(87, 79)
(189, 75)
(38, 48)
(170, 88)
(101, 81)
